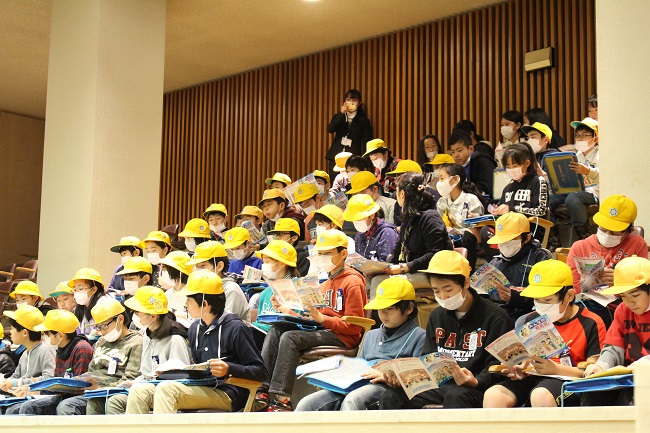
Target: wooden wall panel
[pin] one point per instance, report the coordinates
(222, 139)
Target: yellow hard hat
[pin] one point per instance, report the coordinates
(196, 228)
(59, 321)
(215, 207)
(26, 288)
(546, 278)
(281, 251)
(362, 181)
(374, 145)
(158, 236)
(360, 207)
(539, 127)
(148, 300)
(180, 260)
(204, 282)
(106, 308)
(330, 239)
(333, 212)
(448, 262)
(135, 265)
(305, 192)
(588, 122)
(61, 289)
(128, 241)
(86, 274)
(206, 251)
(251, 211)
(406, 166)
(235, 237)
(278, 177)
(26, 316)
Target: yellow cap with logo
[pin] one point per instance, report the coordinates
(26, 288)
(281, 251)
(271, 194)
(196, 228)
(546, 278)
(305, 192)
(135, 265)
(333, 212)
(629, 273)
(616, 213)
(406, 166)
(441, 158)
(251, 211)
(278, 177)
(180, 260)
(448, 262)
(204, 282)
(390, 292)
(235, 237)
(375, 145)
(508, 226)
(215, 207)
(340, 159)
(158, 236)
(323, 175)
(61, 289)
(86, 274)
(148, 300)
(128, 241)
(360, 207)
(59, 321)
(539, 127)
(286, 225)
(206, 251)
(26, 316)
(361, 181)
(330, 239)
(106, 308)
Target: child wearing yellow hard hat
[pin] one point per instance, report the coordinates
(365, 182)
(288, 230)
(463, 325)
(275, 205)
(173, 277)
(38, 361)
(73, 356)
(129, 246)
(87, 288)
(28, 293)
(376, 239)
(278, 181)
(216, 215)
(238, 241)
(628, 338)
(398, 337)
(551, 288)
(195, 232)
(217, 337)
(137, 272)
(323, 182)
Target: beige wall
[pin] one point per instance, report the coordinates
(21, 160)
(623, 58)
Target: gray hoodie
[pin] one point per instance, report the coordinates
(35, 365)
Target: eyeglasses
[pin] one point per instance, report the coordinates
(105, 326)
(82, 289)
(581, 136)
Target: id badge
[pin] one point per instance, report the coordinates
(473, 341)
(346, 142)
(566, 360)
(112, 366)
(155, 361)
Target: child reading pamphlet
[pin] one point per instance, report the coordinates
(544, 351)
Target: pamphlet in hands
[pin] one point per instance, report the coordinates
(339, 199)
(256, 235)
(251, 275)
(298, 293)
(539, 337)
(290, 189)
(175, 364)
(339, 374)
(421, 374)
(365, 266)
(486, 279)
(590, 285)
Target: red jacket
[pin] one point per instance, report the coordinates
(351, 286)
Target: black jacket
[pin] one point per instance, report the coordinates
(516, 269)
(7, 361)
(481, 172)
(528, 196)
(422, 237)
(302, 262)
(229, 338)
(446, 333)
(359, 131)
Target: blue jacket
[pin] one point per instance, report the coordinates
(228, 338)
(382, 241)
(237, 266)
(407, 342)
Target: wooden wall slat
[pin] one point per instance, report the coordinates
(222, 139)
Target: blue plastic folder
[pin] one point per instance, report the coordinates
(479, 219)
(207, 381)
(60, 385)
(298, 322)
(5, 402)
(343, 379)
(563, 180)
(104, 392)
(606, 383)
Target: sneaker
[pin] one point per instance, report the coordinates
(261, 401)
(277, 406)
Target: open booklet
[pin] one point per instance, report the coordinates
(365, 266)
(290, 189)
(338, 373)
(486, 279)
(421, 374)
(175, 364)
(251, 275)
(339, 199)
(590, 285)
(298, 293)
(539, 337)
(256, 235)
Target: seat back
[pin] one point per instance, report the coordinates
(172, 231)
(325, 351)
(638, 230)
(27, 271)
(462, 251)
(7, 272)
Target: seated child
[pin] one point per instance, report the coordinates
(275, 205)
(627, 340)
(88, 289)
(27, 293)
(462, 312)
(137, 273)
(7, 362)
(398, 337)
(238, 240)
(196, 231)
(73, 355)
(365, 182)
(217, 337)
(288, 230)
(479, 167)
(551, 287)
(129, 246)
(341, 180)
(376, 239)
(157, 245)
(345, 295)
(64, 297)
(216, 215)
(176, 270)
(278, 181)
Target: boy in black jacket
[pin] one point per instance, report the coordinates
(219, 338)
(479, 166)
(463, 326)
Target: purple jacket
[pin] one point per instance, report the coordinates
(382, 240)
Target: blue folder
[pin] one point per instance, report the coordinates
(562, 179)
(104, 392)
(60, 384)
(298, 322)
(606, 383)
(5, 402)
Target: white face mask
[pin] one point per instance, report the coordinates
(239, 254)
(436, 173)
(130, 287)
(453, 303)
(190, 244)
(361, 226)
(124, 259)
(582, 146)
(444, 187)
(20, 304)
(551, 310)
(48, 340)
(534, 144)
(113, 335)
(81, 297)
(515, 173)
(138, 322)
(431, 155)
(154, 258)
(165, 281)
(607, 240)
(309, 209)
(507, 131)
(510, 248)
(268, 272)
(325, 263)
(379, 163)
(320, 229)
(218, 229)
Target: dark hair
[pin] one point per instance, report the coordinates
(460, 136)
(457, 279)
(592, 101)
(519, 153)
(483, 147)
(131, 249)
(403, 305)
(68, 335)
(33, 335)
(358, 162)
(465, 186)
(583, 127)
(513, 116)
(217, 303)
(421, 154)
(417, 199)
(320, 218)
(161, 244)
(166, 328)
(563, 291)
(175, 274)
(214, 212)
(645, 288)
(469, 127)
(539, 115)
(82, 311)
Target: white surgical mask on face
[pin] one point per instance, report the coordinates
(379, 163)
(190, 244)
(507, 131)
(444, 187)
(361, 226)
(138, 322)
(154, 258)
(607, 240)
(218, 228)
(81, 297)
(130, 287)
(582, 146)
(431, 155)
(325, 263)
(48, 340)
(510, 248)
(453, 303)
(165, 280)
(551, 310)
(113, 335)
(515, 173)
(268, 272)
(534, 144)
(124, 259)
(436, 173)
(309, 209)
(239, 254)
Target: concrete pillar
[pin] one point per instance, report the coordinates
(623, 94)
(101, 164)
